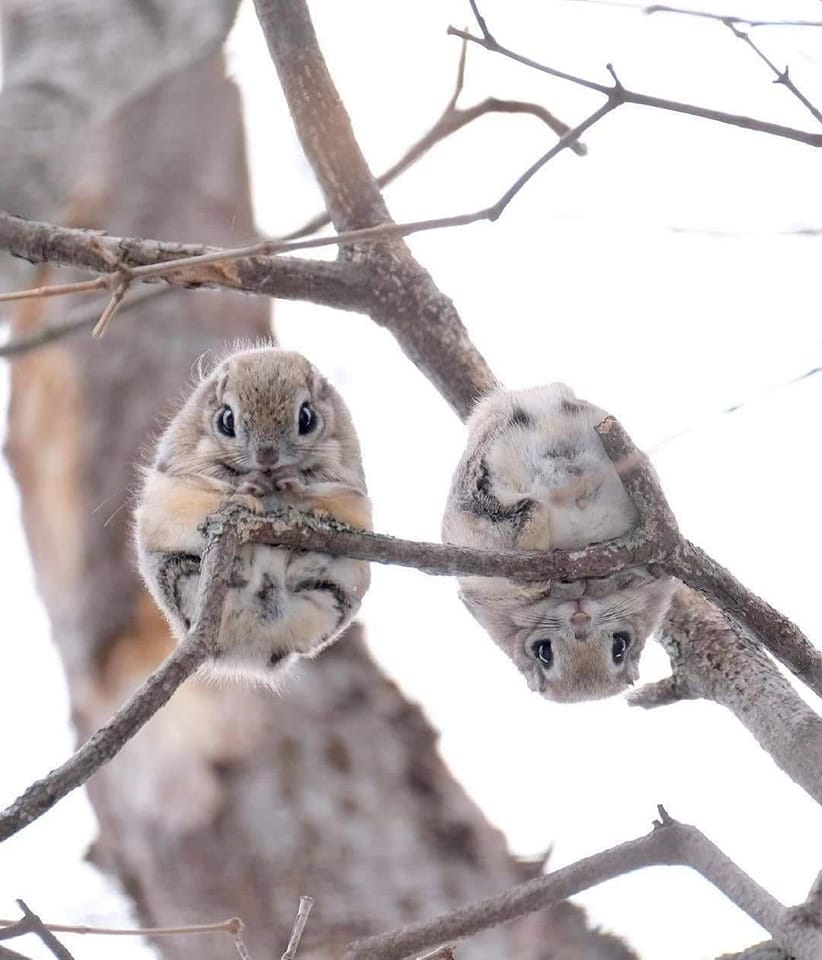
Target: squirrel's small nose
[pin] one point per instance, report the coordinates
(267, 456)
(580, 619)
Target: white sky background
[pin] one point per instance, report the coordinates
(662, 278)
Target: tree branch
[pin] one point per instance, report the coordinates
(646, 100)
(329, 284)
(714, 660)
(405, 301)
(730, 18)
(304, 909)
(783, 638)
(31, 923)
(670, 843)
(451, 120)
(783, 77)
(76, 321)
(154, 693)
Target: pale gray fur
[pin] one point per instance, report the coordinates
(535, 476)
(280, 605)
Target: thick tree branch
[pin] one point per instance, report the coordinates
(337, 285)
(155, 692)
(714, 660)
(783, 638)
(670, 843)
(406, 300)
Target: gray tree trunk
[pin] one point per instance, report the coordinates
(231, 801)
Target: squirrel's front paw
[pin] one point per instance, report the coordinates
(255, 485)
(290, 484)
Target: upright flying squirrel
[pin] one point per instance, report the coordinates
(266, 429)
(534, 476)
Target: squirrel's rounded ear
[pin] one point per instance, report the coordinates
(203, 366)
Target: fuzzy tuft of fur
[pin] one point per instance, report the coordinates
(534, 476)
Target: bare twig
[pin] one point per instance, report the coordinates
(646, 100)
(231, 926)
(450, 121)
(114, 302)
(727, 17)
(76, 321)
(57, 290)
(169, 269)
(783, 77)
(31, 923)
(306, 903)
(154, 693)
(669, 843)
(734, 23)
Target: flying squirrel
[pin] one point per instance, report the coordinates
(265, 429)
(535, 476)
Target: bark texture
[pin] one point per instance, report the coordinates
(230, 800)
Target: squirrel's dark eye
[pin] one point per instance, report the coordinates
(544, 652)
(619, 647)
(306, 419)
(225, 421)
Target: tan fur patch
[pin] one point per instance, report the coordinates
(171, 509)
(44, 449)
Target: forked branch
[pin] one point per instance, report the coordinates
(669, 843)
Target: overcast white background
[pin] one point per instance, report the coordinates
(669, 275)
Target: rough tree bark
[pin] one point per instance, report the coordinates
(230, 800)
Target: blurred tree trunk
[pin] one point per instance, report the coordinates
(232, 800)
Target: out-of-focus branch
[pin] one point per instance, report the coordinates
(670, 843)
(31, 923)
(77, 320)
(729, 17)
(233, 926)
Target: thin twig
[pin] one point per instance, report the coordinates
(232, 926)
(646, 100)
(450, 121)
(114, 302)
(377, 234)
(724, 17)
(31, 923)
(57, 290)
(19, 346)
(153, 694)
(783, 77)
(306, 903)
(713, 659)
